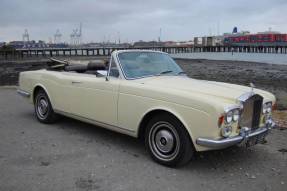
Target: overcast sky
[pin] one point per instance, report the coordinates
(134, 20)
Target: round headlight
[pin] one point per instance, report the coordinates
(226, 131)
(236, 115)
(228, 117)
(267, 108)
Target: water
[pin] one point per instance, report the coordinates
(250, 57)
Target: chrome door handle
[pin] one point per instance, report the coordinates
(76, 82)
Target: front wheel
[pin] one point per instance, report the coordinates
(167, 141)
(43, 108)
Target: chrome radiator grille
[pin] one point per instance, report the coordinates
(250, 116)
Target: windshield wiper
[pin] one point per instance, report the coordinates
(164, 72)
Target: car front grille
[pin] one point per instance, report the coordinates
(250, 116)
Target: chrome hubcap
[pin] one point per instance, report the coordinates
(42, 107)
(164, 141)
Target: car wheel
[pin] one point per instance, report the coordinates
(167, 141)
(43, 108)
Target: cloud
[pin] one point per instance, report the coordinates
(137, 19)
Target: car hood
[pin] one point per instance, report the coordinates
(190, 85)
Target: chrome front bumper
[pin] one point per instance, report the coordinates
(244, 135)
(23, 93)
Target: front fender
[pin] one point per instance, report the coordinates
(39, 85)
(196, 122)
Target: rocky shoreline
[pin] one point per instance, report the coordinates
(269, 77)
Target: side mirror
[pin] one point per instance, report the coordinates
(104, 73)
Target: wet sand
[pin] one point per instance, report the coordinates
(271, 77)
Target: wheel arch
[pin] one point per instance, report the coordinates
(38, 87)
(156, 111)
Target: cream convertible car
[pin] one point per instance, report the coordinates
(146, 94)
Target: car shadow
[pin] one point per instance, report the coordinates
(94, 133)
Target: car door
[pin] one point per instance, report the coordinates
(91, 97)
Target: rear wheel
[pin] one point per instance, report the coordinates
(43, 108)
(167, 141)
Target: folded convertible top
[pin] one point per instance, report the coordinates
(77, 66)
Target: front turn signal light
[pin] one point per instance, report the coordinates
(220, 120)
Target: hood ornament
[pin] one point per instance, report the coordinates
(252, 87)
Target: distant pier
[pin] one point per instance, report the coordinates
(106, 51)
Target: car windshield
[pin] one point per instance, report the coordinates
(144, 64)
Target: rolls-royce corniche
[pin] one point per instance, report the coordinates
(145, 94)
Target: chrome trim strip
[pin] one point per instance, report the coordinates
(226, 142)
(98, 123)
(232, 107)
(267, 102)
(245, 96)
(23, 93)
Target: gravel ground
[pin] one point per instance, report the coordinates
(71, 155)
